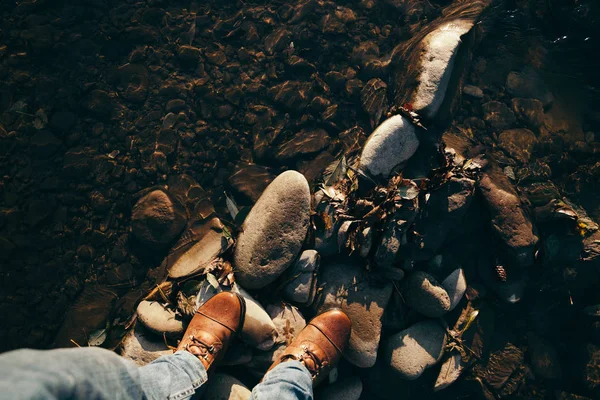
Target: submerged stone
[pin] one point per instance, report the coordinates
(273, 231)
(157, 219)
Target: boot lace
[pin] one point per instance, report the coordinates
(201, 349)
(309, 359)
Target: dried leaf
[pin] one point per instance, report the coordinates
(98, 337)
(231, 206)
(212, 280)
(408, 190)
(335, 172)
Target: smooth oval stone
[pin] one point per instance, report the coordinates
(273, 232)
(302, 288)
(392, 143)
(157, 219)
(440, 48)
(347, 287)
(142, 348)
(415, 349)
(456, 286)
(225, 387)
(159, 320)
(425, 295)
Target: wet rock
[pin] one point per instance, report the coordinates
(518, 143)
(159, 319)
(99, 103)
(510, 222)
(503, 371)
(251, 180)
(530, 111)
(294, 95)
(280, 218)
(443, 213)
(590, 366)
(45, 144)
(347, 389)
(544, 359)
(216, 57)
(277, 41)
(302, 287)
(456, 286)
(439, 51)
(373, 98)
(528, 84)
(225, 387)
(364, 51)
(201, 243)
(175, 105)
(425, 295)
(157, 219)
(141, 347)
(63, 121)
(304, 143)
(347, 287)
(189, 55)
(498, 115)
(473, 91)
(134, 82)
(391, 144)
(415, 349)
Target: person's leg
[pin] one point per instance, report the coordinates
(287, 381)
(94, 373)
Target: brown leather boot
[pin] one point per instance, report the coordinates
(320, 344)
(215, 323)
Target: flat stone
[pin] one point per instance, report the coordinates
(277, 40)
(518, 143)
(280, 219)
(530, 111)
(302, 288)
(425, 295)
(159, 319)
(157, 219)
(528, 84)
(200, 244)
(509, 220)
(346, 286)
(439, 50)
(456, 286)
(134, 82)
(251, 180)
(304, 143)
(141, 347)
(391, 144)
(45, 144)
(347, 389)
(473, 91)
(498, 115)
(415, 349)
(288, 322)
(225, 387)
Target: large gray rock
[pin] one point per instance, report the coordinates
(302, 287)
(438, 56)
(273, 231)
(510, 222)
(157, 219)
(143, 348)
(347, 389)
(346, 286)
(159, 319)
(425, 295)
(392, 143)
(415, 349)
(225, 387)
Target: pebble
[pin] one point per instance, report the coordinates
(528, 84)
(530, 111)
(439, 50)
(347, 389)
(251, 180)
(302, 288)
(346, 286)
(509, 220)
(415, 349)
(518, 143)
(279, 218)
(391, 144)
(303, 143)
(160, 320)
(157, 219)
(225, 387)
(425, 295)
(498, 115)
(200, 244)
(142, 348)
(473, 91)
(456, 286)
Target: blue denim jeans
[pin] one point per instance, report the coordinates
(94, 373)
